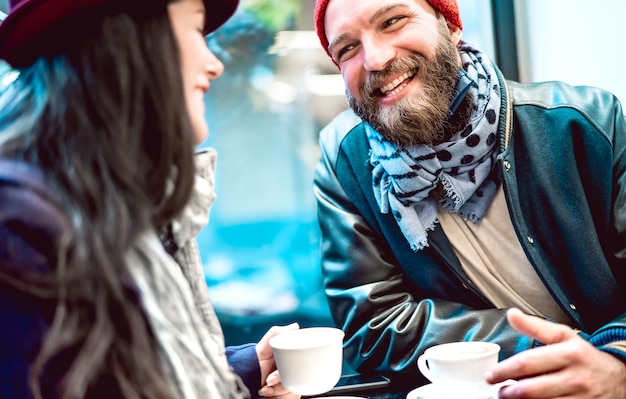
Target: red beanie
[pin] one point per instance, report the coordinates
(449, 9)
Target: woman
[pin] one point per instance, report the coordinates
(101, 293)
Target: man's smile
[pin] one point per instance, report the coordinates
(396, 86)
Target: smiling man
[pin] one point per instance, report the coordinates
(448, 196)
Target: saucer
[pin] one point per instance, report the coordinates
(430, 391)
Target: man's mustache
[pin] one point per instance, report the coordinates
(374, 80)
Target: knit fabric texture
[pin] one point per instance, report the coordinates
(449, 9)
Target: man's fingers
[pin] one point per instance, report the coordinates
(537, 328)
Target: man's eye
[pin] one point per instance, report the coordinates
(343, 51)
(392, 21)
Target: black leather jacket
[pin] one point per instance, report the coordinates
(562, 163)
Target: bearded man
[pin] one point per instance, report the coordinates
(456, 205)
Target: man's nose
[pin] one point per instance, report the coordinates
(377, 54)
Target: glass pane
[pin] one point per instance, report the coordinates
(260, 250)
(477, 27)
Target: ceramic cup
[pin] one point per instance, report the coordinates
(309, 359)
(458, 368)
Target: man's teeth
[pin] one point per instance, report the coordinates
(386, 89)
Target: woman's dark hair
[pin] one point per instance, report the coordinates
(103, 115)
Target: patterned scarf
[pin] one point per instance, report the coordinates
(175, 299)
(404, 179)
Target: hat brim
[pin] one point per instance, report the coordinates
(218, 12)
(22, 25)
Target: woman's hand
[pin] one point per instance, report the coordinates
(567, 366)
(270, 379)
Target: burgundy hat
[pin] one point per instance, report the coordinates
(449, 9)
(30, 19)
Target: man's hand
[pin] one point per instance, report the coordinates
(566, 367)
(270, 379)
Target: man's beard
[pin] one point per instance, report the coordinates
(419, 118)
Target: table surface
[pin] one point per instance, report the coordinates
(389, 392)
(386, 395)
(368, 395)
(397, 388)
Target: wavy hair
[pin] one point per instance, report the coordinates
(103, 115)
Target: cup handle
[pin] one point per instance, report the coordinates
(422, 365)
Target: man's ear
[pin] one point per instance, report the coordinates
(455, 33)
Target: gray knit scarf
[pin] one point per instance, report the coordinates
(404, 179)
(175, 300)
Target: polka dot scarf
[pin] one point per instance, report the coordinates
(403, 179)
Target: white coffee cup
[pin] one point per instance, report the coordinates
(309, 359)
(458, 368)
